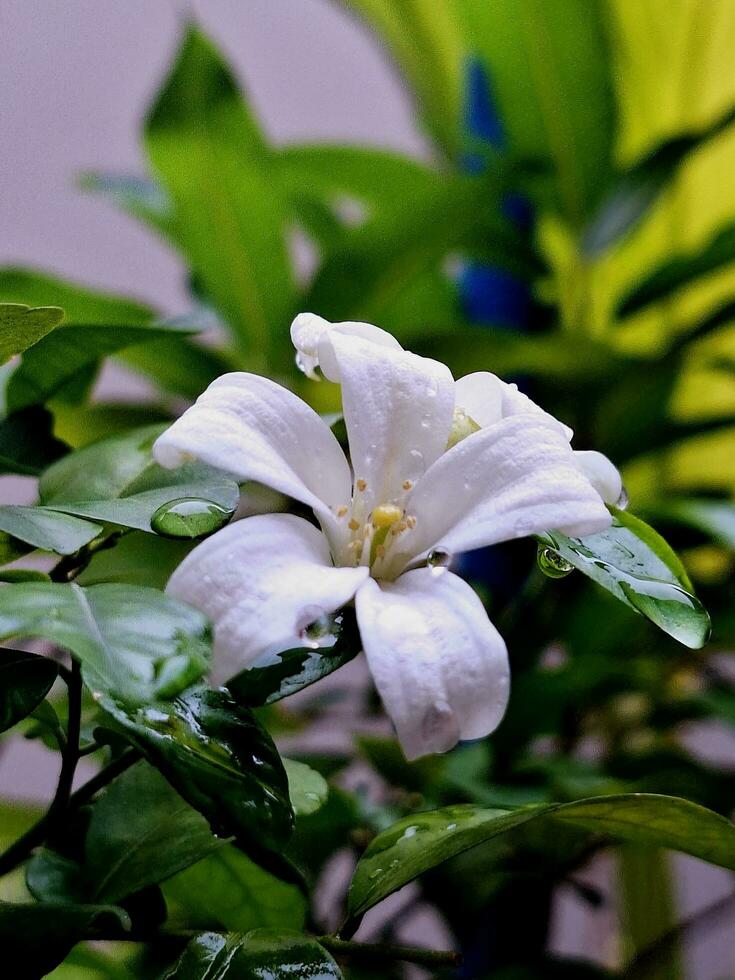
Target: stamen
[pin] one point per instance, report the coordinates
(411, 521)
(361, 485)
(341, 511)
(353, 525)
(408, 484)
(380, 551)
(385, 515)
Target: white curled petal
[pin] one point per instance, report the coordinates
(516, 478)
(601, 473)
(261, 581)
(439, 664)
(480, 395)
(308, 330)
(258, 430)
(398, 411)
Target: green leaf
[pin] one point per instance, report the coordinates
(137, 559)
(229, 218)
(640, 187)
(680, 271)
(117, 481)
(134, 643)
(27, 444)
(307, 789)
(139, 196)
(73, 349)
(53, 877)
(229, 891)
(25, 680)
(37, 937)
(141, 833)
(22, 326)
(217, 756)
(421, 841)
(46, 529)
(715, 518)
(277, 676)
(271, 953)
(633, 562)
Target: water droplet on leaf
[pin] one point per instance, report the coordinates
(189, 517)
(438, 560)
(623, 500)
(552, 563)
(322, 628)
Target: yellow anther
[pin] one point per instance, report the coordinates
(341, 511)
(361, 485)
(385, 515)
(407, 484)
(411, 522)
(354, 525)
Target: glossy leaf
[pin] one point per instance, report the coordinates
(637, 190)
(37, 937)
(421, 841)
(227, 890)
(307, 789)
(27, 443)
(47, 529)
(61, 356)
(22, 326)
(277, 676)
(137, 559)
(117, 481)
(214, 752)
(633, 562)
(142, 833)
(25, 680)
(260, 954)
(679, 272)
(134, 643)
(206, 148)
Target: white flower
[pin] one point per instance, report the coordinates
(437, 465)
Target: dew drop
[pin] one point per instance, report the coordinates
(321, 629)
(623, 500)
(438, 560)
(189, 517)
(552, 563)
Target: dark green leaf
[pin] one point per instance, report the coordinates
(35, 938)
(117, 481)
(639, 188)
(52, 877)
(260, 954)
(134, 643)
(633, 562)
(47, 529)
(419, 842)
(228, 210)
(22, 326)
(274, 677)
(214, 752)
(25, 680)
(27, 444)
(307, 789)
(680, 271)
(141, 833)
(229, 891)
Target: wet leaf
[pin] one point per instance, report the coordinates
(133, 643)
(307, 789)
(419, 842)
(25, 680)
(22, 326)
(47, 529)
(633, 561)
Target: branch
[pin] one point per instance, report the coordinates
(387, 951)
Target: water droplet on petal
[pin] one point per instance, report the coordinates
(189, 517)
(623, 500)
(552, 563)
(438, 560)
(321, 628)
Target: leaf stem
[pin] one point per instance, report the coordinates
(20, 849)
(70, 754)
(389, 951)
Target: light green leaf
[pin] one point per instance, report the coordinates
(307, 788)
(22, 326)
(715, 518)
(229, 217)
(271, 953)
(25, 680)
(47, 529)
(633, 561)
(142, 833)
(117, 481)
(229, 891)
(421, 841)
(134, 643)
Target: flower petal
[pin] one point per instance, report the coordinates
(261, 581)
(398, 411)
(308, 330)
(602, 474)
(258, 430)
(440, 666)
(515, 478)
(487, 399)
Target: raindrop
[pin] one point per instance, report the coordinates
(438, 560)
(189, 517)
(322, 628)
(552, 563)
(623, 500)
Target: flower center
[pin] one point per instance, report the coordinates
(372, 535)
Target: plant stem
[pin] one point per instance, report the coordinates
(647, 908)
(20, 849)
(70, 755)
(386, 951)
